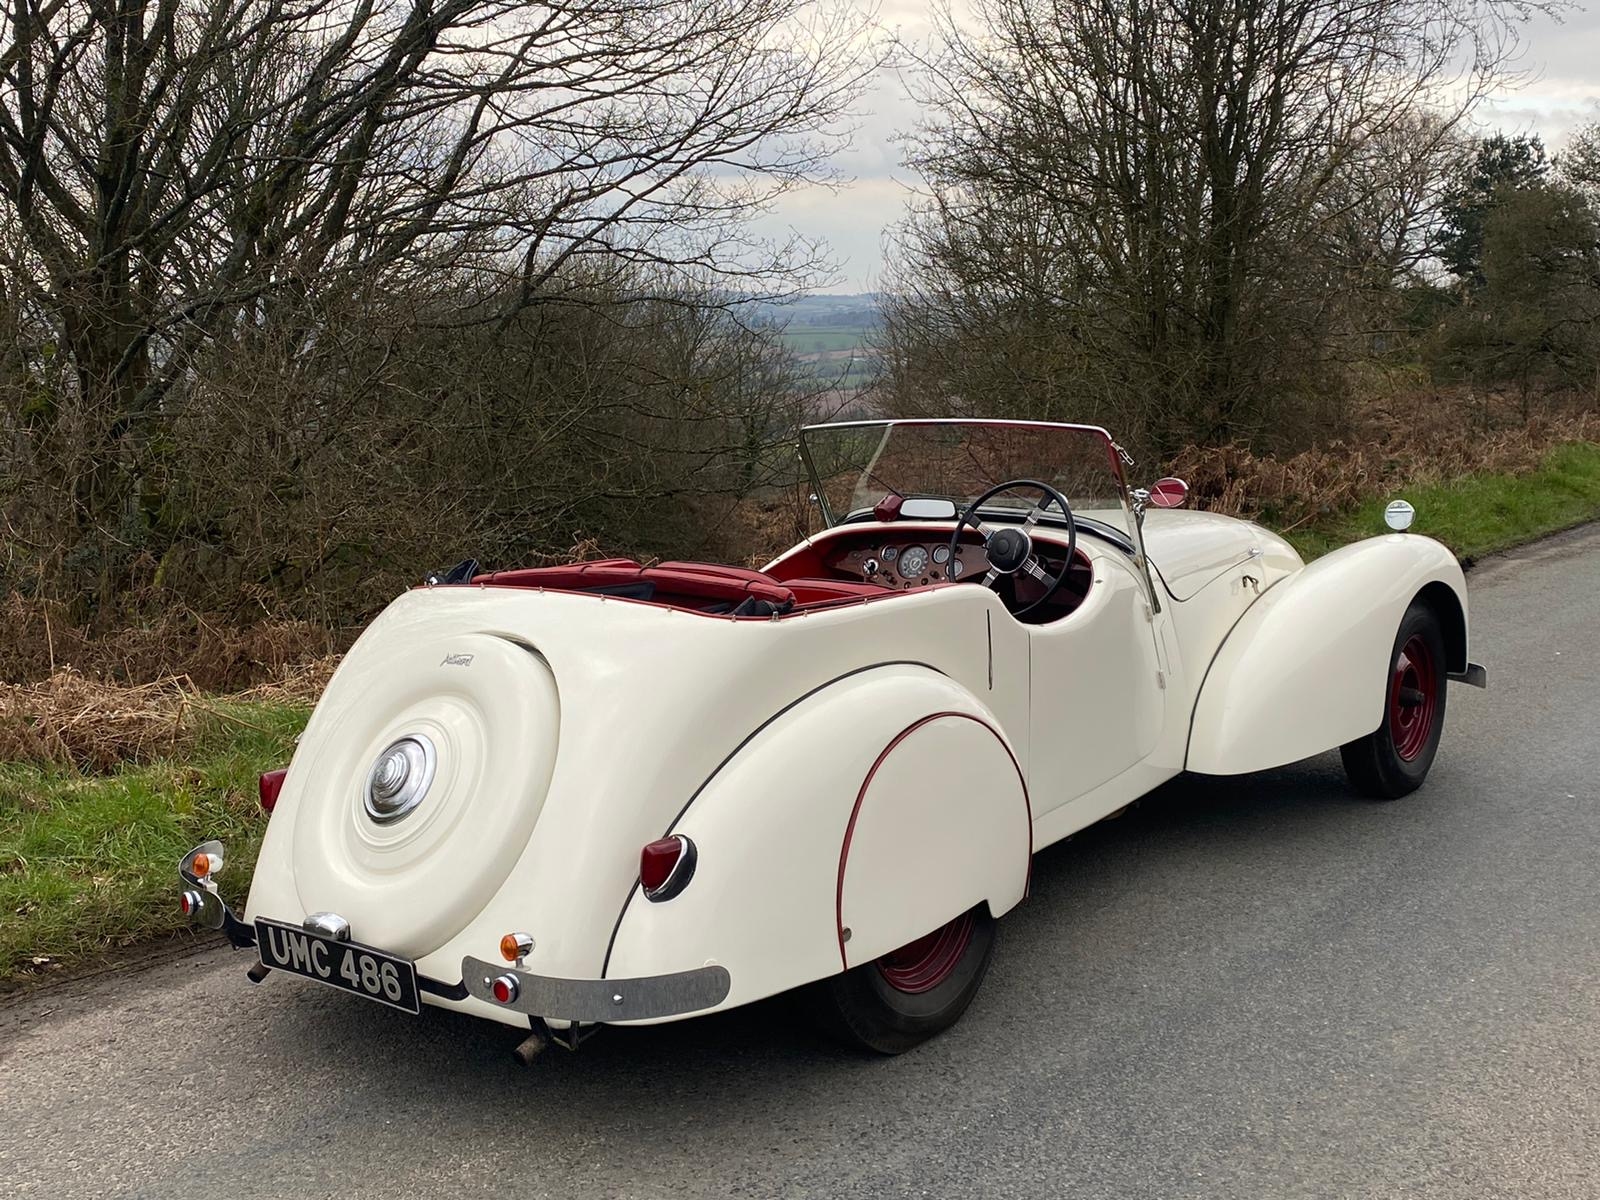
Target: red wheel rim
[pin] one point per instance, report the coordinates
(1413, 698)
(927, 962)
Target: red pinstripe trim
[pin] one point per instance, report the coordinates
(850, 829)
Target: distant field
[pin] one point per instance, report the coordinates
(821, 339)
(841, 370)
(836, 354)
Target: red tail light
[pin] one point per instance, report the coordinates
(666, 866)
(505, 988)
(271, 784)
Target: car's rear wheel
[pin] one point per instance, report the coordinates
(892, 1003)
(1393, 760)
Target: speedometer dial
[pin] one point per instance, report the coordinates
(914, 562)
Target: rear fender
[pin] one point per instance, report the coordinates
(865, 817)
(1304, 669)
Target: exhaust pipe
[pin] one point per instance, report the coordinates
(531, 1047)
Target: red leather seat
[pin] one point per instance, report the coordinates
(667, 582)
(688, 585)
(748, 574)
(600, 573)
(689, 579)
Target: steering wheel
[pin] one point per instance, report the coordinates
(1010, 548)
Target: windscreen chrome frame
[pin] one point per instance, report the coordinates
(1119, 458)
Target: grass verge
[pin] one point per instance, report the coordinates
(1478, 514)
(88, 862)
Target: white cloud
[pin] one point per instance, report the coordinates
(1562, 92)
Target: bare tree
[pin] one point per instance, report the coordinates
(1157, 190)
(179, 176)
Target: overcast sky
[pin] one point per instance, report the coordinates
(1564, 92)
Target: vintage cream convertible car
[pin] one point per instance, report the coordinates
(619, 794)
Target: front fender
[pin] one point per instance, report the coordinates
(1305, 669)
(865, 817)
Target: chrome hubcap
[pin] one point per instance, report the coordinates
(399, 778)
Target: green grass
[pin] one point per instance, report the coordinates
(1479, 514)
(90, 861)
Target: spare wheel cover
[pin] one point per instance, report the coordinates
(483, 711)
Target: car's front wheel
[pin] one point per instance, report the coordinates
(894, 1002)
(1393, 760)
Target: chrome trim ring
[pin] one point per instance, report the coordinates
(400, 778)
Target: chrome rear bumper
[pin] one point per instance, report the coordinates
(600, 1000)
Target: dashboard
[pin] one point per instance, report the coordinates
(908, 564)
(903, 559)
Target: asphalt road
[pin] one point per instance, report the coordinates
(1260, 987)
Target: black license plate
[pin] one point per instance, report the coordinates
(345, 965)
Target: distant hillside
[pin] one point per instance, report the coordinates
(831, 334)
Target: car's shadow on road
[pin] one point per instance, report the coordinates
(1141, 870)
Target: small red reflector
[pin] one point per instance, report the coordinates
(656, 861)
(271, 784)
(505, 989)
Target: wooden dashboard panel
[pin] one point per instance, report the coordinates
(910, 563)
(905, 560)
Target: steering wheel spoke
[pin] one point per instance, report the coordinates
(1010, 547)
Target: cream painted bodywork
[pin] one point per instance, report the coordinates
(874, 767)
(941, 824)
(1304, 670)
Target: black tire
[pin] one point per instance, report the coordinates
(1393, 760)
(864, 1008)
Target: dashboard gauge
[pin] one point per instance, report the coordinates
(956, 569)
(941, 554)
(913, 562)
(889, 553)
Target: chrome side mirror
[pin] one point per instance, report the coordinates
(1169, 493)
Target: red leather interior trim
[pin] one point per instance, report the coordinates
(686, 582)
(746, 573)
(855, 811)
(816, 591)
(805, 560)
(587, 574)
